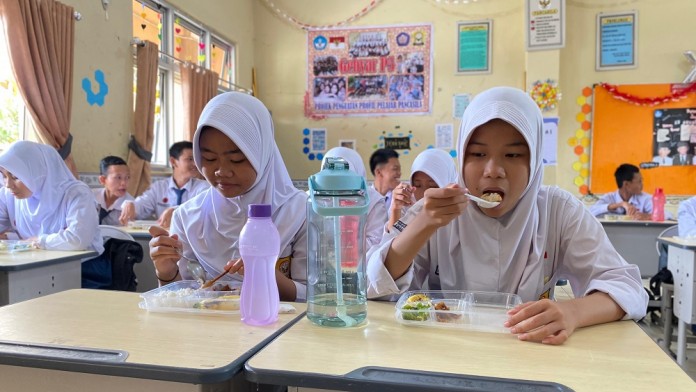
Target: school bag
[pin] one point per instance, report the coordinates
(113, 269)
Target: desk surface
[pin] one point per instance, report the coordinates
(685, 243)
(40, 257)
(178, 347)
(631, 222)
(610, 357)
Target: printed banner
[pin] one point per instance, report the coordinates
(370, 71)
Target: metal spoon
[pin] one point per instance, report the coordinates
(481, 202)
(193, 267)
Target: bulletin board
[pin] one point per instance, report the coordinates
(622, 132)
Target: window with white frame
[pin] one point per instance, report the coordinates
(180, 39)
(12, 110)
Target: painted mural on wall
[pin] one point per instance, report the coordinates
(367, 71)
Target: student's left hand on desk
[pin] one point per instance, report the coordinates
(641, 216)
(544, 321)
(166, 218)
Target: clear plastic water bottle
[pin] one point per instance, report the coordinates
(658, 199)
(259, 246)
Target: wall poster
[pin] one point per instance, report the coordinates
(370, 71)
(616, 40)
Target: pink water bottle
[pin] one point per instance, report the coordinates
(259, 245)
(658, 199)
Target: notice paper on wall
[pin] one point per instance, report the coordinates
(318, 139)
(444, 135)
(550, 141)
(459, 103)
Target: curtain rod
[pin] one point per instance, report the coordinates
(139, 42)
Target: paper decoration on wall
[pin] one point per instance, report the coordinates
(678, 93)
(581, 141)
(545, 94)
(396, 140)
(101, 93)
(306, 26)
(314, 138)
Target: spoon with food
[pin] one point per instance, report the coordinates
(487, 200)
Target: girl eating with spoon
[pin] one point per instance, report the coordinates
(234, 149)
(534, 237)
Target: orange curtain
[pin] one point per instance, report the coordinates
(40, 37)
(144, 118)
(198, 85)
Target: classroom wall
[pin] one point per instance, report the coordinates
(104, 44)
(277, 49)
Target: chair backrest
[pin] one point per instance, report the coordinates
(671, 231)
(114, 232)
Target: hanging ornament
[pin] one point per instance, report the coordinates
(306, 26)
(545, 94)
(676, 96)
(143, 26)
(201, 58)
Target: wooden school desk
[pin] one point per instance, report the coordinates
(635, 241)
(145, 271)
(33, 273)
(681, 261)
(616, 356)
(100, 340)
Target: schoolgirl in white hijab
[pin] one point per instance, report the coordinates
(234, 149)
(42, 200)
(432, 168)
(536, 236)
(377, 210)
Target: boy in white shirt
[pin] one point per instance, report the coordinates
(114, 176)
(164, 196)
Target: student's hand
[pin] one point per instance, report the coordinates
(641, 216)
(442, 205)
(163, 252)
(402, 196)
(544, 321)
(166, 218)
(235, 266)
(127, 213)
(630, 209)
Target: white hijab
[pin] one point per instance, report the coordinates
(44, 172)
(438, 165)
(355, 164)
(507, 252)
(216, 220)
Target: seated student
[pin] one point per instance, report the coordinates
(163, 196)
(432, 168)
(377, 211)
(114, 176)
(234, 149)
(534, 237)
(385, 166)
(629, 199)
(43, 202)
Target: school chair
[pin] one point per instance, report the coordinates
(666, 291)
(113, 269)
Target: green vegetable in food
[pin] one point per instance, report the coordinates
(422, 311)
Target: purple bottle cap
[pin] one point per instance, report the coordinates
(259, 210)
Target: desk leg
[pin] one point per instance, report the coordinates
(681, 342)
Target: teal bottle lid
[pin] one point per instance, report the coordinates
(336, 180)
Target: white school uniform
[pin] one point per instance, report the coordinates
(642, 202)
(115, 208)
(162, 195)
(208, 225)
(61, 211)
(687, 217)
(549, 235)
(377, 210)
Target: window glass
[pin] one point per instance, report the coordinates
(11, 102)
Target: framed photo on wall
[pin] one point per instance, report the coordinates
(616, 40)
(474, 46)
